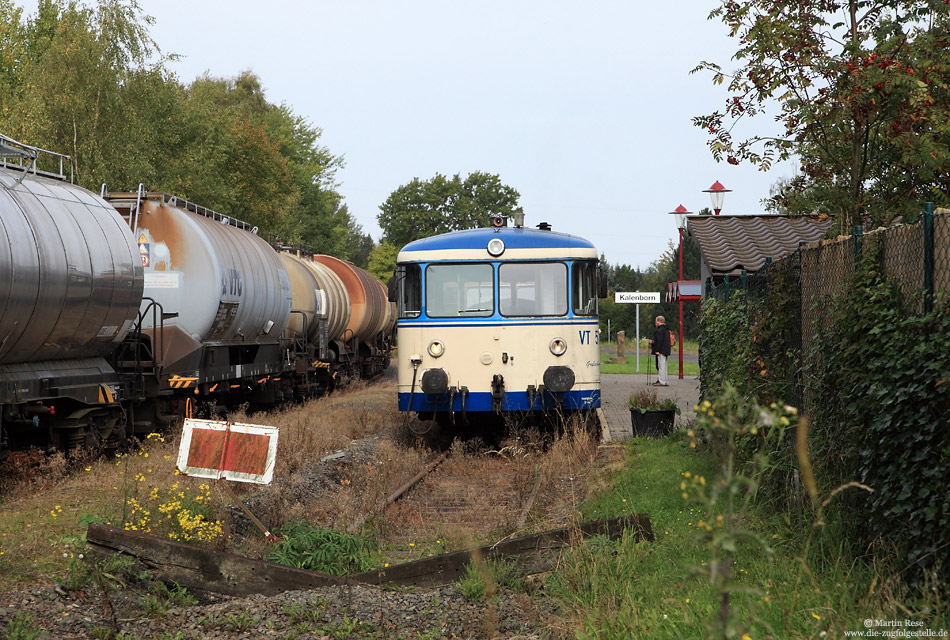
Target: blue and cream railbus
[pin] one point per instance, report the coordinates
(498, 321)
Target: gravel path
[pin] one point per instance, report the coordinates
(333, 612)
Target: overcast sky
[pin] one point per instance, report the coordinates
(583, 107)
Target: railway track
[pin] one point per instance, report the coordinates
(342, 458)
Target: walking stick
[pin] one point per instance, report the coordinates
(648, 368)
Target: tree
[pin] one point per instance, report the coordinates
(382, 260)
(861, 87)
(84, 81)
(12, 52)
(661, 272)
(360, 252)
(318, 218)
(426, 208)
(76, 70)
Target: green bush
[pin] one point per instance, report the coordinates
(482, 578)
(881, 392)
(307, 546)
(876, 386)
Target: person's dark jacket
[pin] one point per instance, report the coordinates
(661, 341)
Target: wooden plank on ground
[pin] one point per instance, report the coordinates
(534, 553)
(206, 569)
(209, 570)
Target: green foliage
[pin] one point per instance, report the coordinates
(880, 395)
(742, 434)
(875, 384)
(424, 208)
(308, 546)
(774, 310)
(656, 277)
(635, 589)
(382, 261)
(241, 622)
(161, 597)
(647, 400)
(347, 628)
(22, 627)
(110, 572)
(306, 612)
(91, 82)
(725, 347)
(483, 578)
(862, 96)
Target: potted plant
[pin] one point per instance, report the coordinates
(650, 416)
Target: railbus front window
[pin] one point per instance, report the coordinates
(533, 288)
(584, 288)
(410, 290)
(460, 290)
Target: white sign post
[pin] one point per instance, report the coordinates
(637, 298)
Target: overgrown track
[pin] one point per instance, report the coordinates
(339, 459)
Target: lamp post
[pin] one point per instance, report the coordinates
(680, 214)
(716, 193)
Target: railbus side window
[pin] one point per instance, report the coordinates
(460, 290)
(584, 288)
(533, 288)
(409, 277)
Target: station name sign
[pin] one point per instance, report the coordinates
(637, 297)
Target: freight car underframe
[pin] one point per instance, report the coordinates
(63, 404)
(74, 403)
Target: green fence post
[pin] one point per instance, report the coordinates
(726, 283)
(745, 282)
(708, 286)
(928, 257)
(858, 233)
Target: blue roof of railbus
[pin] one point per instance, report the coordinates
(514, 237)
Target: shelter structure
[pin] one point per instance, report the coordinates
(731, 244)
(686, 290)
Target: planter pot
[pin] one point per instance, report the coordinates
(653, 423)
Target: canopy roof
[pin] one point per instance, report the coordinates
(730, 244)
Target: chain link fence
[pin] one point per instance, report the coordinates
(800, 290)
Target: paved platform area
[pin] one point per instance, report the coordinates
(615, 389)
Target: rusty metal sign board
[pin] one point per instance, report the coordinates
(218, 449)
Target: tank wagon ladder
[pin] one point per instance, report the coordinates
(127, 210)
(138, 358)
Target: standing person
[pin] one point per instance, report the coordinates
(660, 347)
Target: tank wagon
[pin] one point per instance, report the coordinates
(120, 311)
(71, 284)
(498, 322)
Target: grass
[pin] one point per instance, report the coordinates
(604, 589)
(647, 362)
(625, 589)
(45, 511)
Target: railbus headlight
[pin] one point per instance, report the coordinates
(496, 247)
(558, 346)
(436, 348)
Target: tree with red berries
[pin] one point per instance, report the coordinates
(861, 91)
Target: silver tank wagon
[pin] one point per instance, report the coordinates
(216, 280)
(70, 275)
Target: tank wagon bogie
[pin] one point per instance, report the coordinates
(122, 311)
(498, 321)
